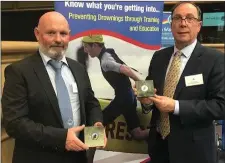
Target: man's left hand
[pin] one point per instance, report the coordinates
(163, 103)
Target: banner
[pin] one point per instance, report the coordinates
(119, 138)
(132, 29)
(129, 21)
(167, 36)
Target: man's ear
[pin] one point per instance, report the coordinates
(200, 25)
(36, 33)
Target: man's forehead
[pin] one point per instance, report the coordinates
(182, 9)
(184, 14)
(53, 22)
(54, 26)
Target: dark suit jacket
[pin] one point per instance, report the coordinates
(31, 113)
(192, 136)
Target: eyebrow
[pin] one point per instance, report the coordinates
(189, 14)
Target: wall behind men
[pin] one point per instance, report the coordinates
(18, 19)
(19, 25)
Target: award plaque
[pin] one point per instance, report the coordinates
(94, 136)
(145, 88)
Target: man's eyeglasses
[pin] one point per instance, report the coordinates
(189, 19)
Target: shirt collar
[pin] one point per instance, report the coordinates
(46, 58)
(187, 51)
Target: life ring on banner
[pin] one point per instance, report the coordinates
(119, 139)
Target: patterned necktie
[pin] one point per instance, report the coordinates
(62, 95)
(169, 89)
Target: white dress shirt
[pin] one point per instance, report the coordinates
(186, 54)
(70, 84)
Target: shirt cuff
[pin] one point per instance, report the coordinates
(177, 109)
(148, 106)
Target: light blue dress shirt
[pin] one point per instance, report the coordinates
(70, 84)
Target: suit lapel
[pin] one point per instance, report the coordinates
(78, 78)
(44, 79)
(191, 66)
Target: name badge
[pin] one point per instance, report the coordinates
(193, 80)
(74, 87)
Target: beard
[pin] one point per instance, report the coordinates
(52, 52)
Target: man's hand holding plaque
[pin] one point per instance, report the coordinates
(94, 136)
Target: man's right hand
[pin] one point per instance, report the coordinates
(73, 143)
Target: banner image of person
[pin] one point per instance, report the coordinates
(167, 37)
(133, 30)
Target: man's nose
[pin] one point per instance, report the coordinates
(183, 22)
(58, 38)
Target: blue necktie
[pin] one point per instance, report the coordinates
(62, 95)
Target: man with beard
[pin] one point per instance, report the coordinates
(47, 100)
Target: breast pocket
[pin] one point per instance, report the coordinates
(196, 88)
(197, 91)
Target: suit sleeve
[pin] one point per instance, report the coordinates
(213, 106)
(148, 107)
(92, 106)
(15, 106)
